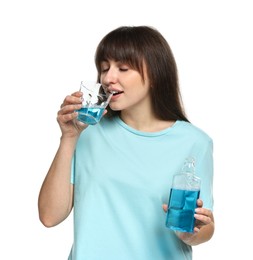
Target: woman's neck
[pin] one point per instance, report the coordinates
(144, 121)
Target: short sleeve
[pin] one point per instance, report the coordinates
(204, 168)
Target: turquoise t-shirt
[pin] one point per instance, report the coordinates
(121, 179)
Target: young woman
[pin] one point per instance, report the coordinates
(117, 175)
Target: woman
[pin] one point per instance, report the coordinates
(117, 174)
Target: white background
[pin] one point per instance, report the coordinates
(48, 46)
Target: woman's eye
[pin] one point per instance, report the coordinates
(104, 69)
(123, 69)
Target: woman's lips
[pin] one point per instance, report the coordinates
(116, 94)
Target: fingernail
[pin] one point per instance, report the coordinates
(197, 210)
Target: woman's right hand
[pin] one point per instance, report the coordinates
(67, 115)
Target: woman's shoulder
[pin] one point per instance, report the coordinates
(193, 131)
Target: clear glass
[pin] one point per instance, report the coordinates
(95, 100)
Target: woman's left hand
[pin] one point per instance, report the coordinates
(203, 218)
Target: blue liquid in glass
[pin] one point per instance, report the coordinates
(181, 209)
(90, 115)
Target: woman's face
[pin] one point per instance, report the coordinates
(131, 91)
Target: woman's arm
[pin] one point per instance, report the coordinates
(56, 194)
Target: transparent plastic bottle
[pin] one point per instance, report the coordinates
(184, 193)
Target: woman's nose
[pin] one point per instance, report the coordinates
(109, 77)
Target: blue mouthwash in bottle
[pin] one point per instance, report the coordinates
(183, 198)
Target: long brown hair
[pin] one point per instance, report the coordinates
(136, 45)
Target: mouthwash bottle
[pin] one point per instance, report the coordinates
(183, 198)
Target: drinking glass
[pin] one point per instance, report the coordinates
(95, 100)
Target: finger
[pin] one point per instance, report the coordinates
(66, 117)
(75, 98)
(68, 109)
(199, 203)
(77, 93)
(204, 211)
(203, 218)
(80, 124)
(105, 112)
(196, 230)
(165, 208)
